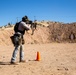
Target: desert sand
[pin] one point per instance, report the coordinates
(56, 59)
(57, 51)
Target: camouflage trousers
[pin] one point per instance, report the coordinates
(18, 43)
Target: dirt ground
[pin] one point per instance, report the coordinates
(56, 59)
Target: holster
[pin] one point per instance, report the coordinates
(17, 39)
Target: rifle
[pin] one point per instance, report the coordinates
(33, 26)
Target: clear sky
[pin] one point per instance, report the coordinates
(52, 10)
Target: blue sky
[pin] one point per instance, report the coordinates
(52, 10)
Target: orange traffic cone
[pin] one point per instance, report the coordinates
(38, 57)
